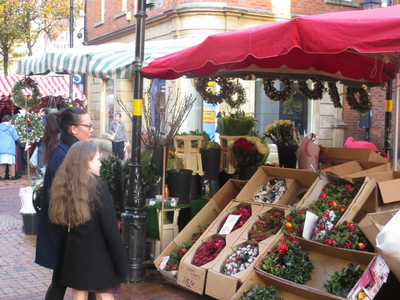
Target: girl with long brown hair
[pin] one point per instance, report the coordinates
(94, 259)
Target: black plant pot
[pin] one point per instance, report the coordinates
(287, 157)
(247, 172)
(210, 159)
(178, 181)
(157, 157)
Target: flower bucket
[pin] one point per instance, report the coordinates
(247, 172)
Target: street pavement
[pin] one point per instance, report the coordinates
(21, 278)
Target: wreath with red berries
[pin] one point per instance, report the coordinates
(29, 127)
(20, 100)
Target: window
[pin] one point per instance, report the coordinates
(124, 5)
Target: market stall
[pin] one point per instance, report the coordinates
(317, 251)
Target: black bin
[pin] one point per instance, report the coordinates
(179, 181)
(30, 223)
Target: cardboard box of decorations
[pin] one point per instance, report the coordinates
(371, 225)
(192, 269)
(325, 260)
(334, 156)
(205, 217)
(357, 208)
(226, 270)
(358, 168)
(297, 183)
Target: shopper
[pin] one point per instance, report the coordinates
(75, 125)
(43, 112)
(8, 137)
(118, 131)
(95, 258)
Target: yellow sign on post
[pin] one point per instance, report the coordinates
(137, 107)
(208, 116)
(388, 105)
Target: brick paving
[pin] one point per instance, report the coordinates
(22, 279)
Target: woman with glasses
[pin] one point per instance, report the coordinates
(75, 125)
(95, 258)
(118, 131)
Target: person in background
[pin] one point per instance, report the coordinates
(118, 130)
(352, 143)
(95, 258)
(8, 137)
(75, 125)
(21, 146)
(43, 112)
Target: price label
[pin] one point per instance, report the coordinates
(229, 224)
(163, 263)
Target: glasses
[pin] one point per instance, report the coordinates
(90, 125)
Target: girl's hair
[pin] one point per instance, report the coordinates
(50, 137)
(61, 122)
(74, 190)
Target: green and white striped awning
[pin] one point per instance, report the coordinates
(101, 61)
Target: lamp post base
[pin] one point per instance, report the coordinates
(134, 235)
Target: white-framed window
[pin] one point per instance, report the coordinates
(103, 8)
(124, 5)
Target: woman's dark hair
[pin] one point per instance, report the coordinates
(50, 136)
(56, 123)
(69, 117)
(45, 110)
(6, 118)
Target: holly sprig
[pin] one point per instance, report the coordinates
(260, 293)
(341, 282)
(289, 262)
(293, 223)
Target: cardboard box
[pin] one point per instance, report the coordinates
(388, 182)
(364, 197)
(327, 259)
(342, 155)
(205, 217)
(297, 181)
(215, 279)
(193, 277)
(371, 225)
(358, 168)
(284, 291)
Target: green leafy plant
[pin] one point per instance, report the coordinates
(341, 282)
(289, 262)
(237, 123)
(261, 293)
(151, 174)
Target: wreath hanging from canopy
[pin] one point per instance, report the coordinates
(241, 97)
(226, 91)
(359, 99)
(334, 94)
(29, 127)
(315, 93)
(278, 95)
(18, 97)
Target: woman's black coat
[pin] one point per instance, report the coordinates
(95, 257)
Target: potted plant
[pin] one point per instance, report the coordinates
(250, 152)
(235, 123)
(286, 137)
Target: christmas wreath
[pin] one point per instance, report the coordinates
(261, 292)
(341, 282)
(268, 225)
(272, 93)
(31, 133)
(241, 97)
(227, 89)
(19, 99)
(334, 94)
(287, 261)
(316, 93)
(364, 104)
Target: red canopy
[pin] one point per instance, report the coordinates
(346, 46)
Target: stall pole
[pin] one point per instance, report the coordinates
(134, 216)
(396, 126)
(388, 119)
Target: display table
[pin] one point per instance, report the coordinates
(169, 227)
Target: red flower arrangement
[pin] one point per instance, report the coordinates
(383, 154)
(208, 251)
(245, 214)
(250, 151)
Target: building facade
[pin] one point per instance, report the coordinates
(111, 21)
